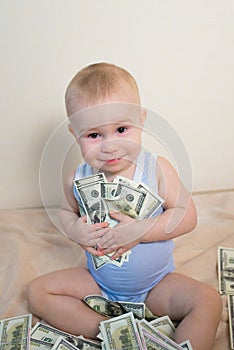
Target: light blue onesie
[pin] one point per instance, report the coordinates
(148, 263)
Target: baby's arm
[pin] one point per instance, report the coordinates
(75, 226)
(179, 216)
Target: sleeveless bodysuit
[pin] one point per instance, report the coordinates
(148, 263)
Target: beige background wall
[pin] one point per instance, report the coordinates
(181, 53)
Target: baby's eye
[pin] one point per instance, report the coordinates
(121, 129)
(93, 135)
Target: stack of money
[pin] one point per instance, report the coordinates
(133, 326)
(15, 332)
(126, 332)
(99, 197)
(129, 326)
(231, 318)
(226, 283)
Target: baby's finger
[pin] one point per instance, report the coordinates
(117, 253)
(83, 219)
(107, 241)
(100, 233)
(92, 238)
(95, 226)
(93, 251)
(99, 225)
(107, 250)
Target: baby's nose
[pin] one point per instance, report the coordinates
(110, 146)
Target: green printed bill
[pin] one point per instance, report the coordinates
(111, 308)
(49, 335)
(226, 283)
(99, 197)
(120, 333)
(226, 270)
(63, 344)
(43, 336)
(15, 332)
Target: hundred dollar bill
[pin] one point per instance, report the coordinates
(108, 190)
(63, 344)
(152, 201)
(90, 195)
(138, 309)
(97, 210)
(104, 306)
(152, 342)
(15, 332)
(121, 333)
(39, 345)
(231, 319)
(142, 340)
(100, 261)
(108, 193)
(119, 261)
(100, 177)
(226, 270)
(83, 344)
(125, 181)
(111, 308)
(165, 326)
(49, 334)
(149, 316)
(129, 200)
(149, 328)
(95, 206)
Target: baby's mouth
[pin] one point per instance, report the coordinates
(112, 161)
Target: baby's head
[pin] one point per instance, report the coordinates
(100, 83)
(106, 119)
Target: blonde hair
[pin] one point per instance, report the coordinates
(94, 83)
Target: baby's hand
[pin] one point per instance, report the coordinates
(118, 251)
(88, 235)
(127, 231)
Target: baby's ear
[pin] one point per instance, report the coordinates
(143, 116)
(71, 130)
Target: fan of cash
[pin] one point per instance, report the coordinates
(99, 197)
(130, 326)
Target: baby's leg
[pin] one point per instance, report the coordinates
(198, 305)
(57, 298)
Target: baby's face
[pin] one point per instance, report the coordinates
(109, 134)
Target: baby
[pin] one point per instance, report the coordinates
(106, 119)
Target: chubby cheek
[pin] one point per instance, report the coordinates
(133, 146)
(89, 151)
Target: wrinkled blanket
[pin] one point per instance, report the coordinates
(30, 245)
